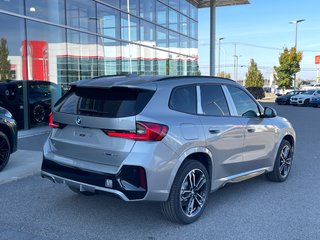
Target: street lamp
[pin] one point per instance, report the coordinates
(219, 55)
(237, 66)
(296, 45)
(296, 38)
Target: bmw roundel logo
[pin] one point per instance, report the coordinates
(78, 120)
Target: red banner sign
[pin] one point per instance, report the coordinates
(317, 59)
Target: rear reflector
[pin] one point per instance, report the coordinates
(51, 122)
(145, 131)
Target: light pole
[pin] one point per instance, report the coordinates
(296, 45)
(237, 66)
(219, 55)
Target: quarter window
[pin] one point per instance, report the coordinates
(213, 101)
(245, 105)
(183, 99)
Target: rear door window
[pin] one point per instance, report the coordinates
(184, 99)
(101, 102)
(213, 101)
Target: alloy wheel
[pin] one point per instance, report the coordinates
(39, 113)
(193, 192)
(285, 161)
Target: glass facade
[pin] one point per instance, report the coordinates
(62, 41)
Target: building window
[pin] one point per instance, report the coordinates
(147, 9)
(132, 8)
(173, 20)
(115, 3)
(147, 64)
(82, 57)
(17, 6)
(52, 11)
(108, 21)
(193, 29)
(162, 14)
(184, 24)
(162, 63)
(130, 58)
(162, 37)
(174, 41)
(129, 27)
(185, 7)
(174, 4)
(81, 14)
(14, 63)
(147, 33)
(194, 12)
(109, 57)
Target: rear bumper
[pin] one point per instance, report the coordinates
(125, 184)
(281, 101)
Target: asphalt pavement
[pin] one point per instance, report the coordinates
(35, 208)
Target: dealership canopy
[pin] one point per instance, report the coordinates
(213, 4)
(219, 3)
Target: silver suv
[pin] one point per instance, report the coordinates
(167, 139)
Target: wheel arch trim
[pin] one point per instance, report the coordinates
(185, 156)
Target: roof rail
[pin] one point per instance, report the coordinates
(179, 77)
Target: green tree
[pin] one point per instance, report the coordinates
(224, 74)
(254, 77)
(5, 65)
(289, 65)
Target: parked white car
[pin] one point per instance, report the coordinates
(311, 86)
(304, 99)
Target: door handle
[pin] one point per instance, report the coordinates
(251, 130)
(214, 131)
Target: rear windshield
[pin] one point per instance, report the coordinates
(104, 102)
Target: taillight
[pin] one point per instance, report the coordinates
(145, 131)
(51, 122)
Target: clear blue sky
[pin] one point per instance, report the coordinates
(264, 23)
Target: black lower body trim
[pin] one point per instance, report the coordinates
(120, 181)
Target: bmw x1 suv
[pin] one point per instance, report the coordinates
(167, 139)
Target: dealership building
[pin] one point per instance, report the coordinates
(62, 41)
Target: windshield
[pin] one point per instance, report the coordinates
(309, 92)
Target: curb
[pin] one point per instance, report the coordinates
(33, 132)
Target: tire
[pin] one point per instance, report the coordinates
(38, 113)
(77, 191)
(5, 150)
(306, 102)
(315, 105)
(282, 164)
(183, 195)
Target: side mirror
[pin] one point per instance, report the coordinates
(269, 112)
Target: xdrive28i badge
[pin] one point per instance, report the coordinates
(78, 120)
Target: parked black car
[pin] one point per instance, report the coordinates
(40, 93)
(8, 136)
(285, 99)
(257, 92)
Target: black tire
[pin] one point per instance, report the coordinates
(38, 113)
(5, 150)
(77, 191)
(181, 199)
(315, 105)
(306, 102)
(282, 164)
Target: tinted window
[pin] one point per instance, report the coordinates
(245, 105)
(183, 99)
(213, 101)
(99, 102)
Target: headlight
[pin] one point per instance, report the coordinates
(8, 114)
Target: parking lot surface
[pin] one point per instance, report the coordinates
(35, 208)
